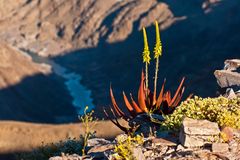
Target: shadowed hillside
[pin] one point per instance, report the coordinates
(30, 92)
(194, 48)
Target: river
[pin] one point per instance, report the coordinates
(80, 94)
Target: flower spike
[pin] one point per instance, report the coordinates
(158, 44)
(146, 52)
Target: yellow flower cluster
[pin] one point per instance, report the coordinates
(158, 45)
(226, 112)
(146, 52)
(157, 48)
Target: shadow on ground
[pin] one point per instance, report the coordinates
(39, 98)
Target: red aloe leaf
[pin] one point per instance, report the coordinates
(141, 95)
(150, 100)
(177, 91)
(129, 106)
(190, 96)
(135, 106)
(178, 99)
(124, 129)
(160, 97)
(117, 109)
(168, 97)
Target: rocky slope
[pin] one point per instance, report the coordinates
(28, 90)
(51, 27)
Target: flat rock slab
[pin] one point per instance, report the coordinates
(232, 64)
(195, 133)
(200, 127)
(227, 78)
(164, 142)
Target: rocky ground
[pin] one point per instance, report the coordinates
(196, 141)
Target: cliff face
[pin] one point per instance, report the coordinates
(194, 33)
(28, 90)
(50, 27)
(14, 67)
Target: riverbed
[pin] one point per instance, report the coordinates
(80, 94)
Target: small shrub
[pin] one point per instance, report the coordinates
(69, 146)
(224, 111)
(124, 147)
(89, 122)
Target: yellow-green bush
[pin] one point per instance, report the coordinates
(226, 112)
(124, 147)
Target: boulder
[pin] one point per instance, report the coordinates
(229, 78)
(195, 133)
(232, 64)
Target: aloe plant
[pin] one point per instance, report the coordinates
(147, 101)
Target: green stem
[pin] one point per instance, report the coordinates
(146, 82)
(155, 78)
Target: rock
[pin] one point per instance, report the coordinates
(164, 142)
(180, 148)
(230, 93)
(227, 134)
(200, 127)
(97, 141)
(236, 133)
(232, 64)
(195, 133)
(233, 146)
(148, 153)
(220, 147)
(98, 151)
(67, 157)
(226, 78)
(170, 150)
(209, 4)
(229, 76)
(98, 146)
(138, 154)
(109, 155)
